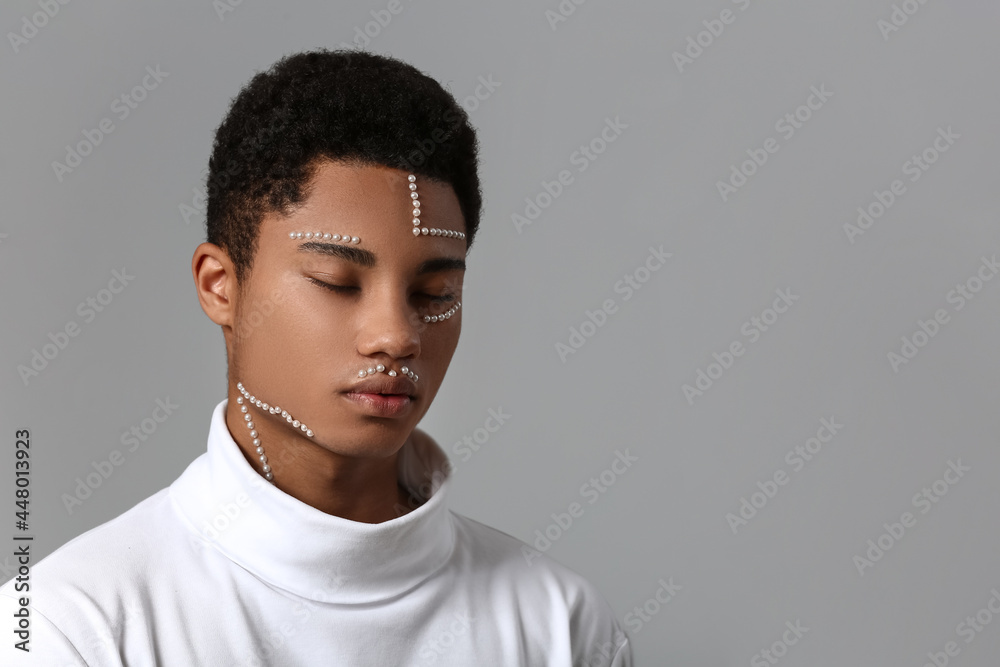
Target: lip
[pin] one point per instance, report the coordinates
(383, 395)
(385, 384)
(380, 405)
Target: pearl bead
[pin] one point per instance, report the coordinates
(413, 195)
(416, 231)
(380, 368)
(269, 476)
(392, 374)
(411, 178)
(309, 235)
(309, 432)
(295, 423)
(336, 237)
(355, 240)
(253, 434)
(404, 370)
(266, 468)
(291, 235)
(256, 442)
(250, 425)
(239, 399)
(260, 450)
(424, 231)
(361, 374)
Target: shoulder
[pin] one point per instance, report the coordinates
(93, 570)
(545, 591)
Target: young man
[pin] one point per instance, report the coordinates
(343, 198)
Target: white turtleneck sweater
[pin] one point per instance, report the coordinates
(222, 568)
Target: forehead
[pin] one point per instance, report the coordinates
(372, 203)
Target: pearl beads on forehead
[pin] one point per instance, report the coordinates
(426, 231)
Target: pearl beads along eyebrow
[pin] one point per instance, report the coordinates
(327, 236)
(380, 368)
(426, 231)
(247, 397)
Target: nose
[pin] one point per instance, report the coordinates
(390, 326)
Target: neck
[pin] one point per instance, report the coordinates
(356, 488)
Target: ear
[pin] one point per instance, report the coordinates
(215, 282)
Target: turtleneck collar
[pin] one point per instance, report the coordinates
(296, 547)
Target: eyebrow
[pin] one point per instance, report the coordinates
(367, 259)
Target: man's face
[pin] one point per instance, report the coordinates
(300, 345)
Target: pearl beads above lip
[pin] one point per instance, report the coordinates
(247, 397)
(324, 236)
(445, 315)
(364, 372)
(426, 231)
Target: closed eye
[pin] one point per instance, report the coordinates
(348, 289)
(339, 289)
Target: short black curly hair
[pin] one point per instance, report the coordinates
(346, 105)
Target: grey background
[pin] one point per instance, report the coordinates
(665, 517)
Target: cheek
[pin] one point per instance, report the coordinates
(297, 338)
